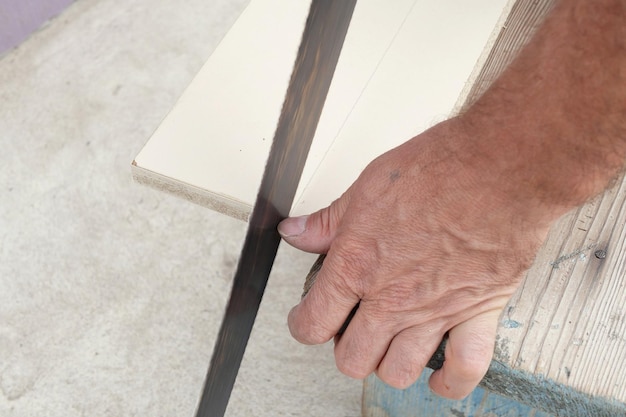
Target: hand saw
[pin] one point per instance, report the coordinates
(322, 40)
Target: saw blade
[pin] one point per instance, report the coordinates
(317, 57)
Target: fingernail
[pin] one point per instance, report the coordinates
(293, 226)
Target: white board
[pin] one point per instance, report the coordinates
(404, 66)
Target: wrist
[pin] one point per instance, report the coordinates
(551, 131)
(510, 175)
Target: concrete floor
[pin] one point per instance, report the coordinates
(111, 294)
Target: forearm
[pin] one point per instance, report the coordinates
(552, 129)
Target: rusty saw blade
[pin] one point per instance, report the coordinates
(323, 37)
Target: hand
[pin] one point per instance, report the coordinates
(427, 244)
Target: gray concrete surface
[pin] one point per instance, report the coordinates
(111, 294)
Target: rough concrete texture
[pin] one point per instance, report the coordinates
(111, 294)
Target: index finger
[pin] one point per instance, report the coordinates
(323, 311)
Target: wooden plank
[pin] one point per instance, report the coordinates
(235, 99)
(568, 316)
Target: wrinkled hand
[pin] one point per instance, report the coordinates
(427, 244)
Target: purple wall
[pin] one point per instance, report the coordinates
(19, 18)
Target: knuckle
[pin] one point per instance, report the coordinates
(402, 295)
(403, 374)
(310, 335)
(470, 371)
(471, 365)
(398, 307)
(327, 220)
(352, 368)
(305, 329)
(355, 356)
(316, 336)
(348, 264)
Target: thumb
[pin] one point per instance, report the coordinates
(314, 232)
